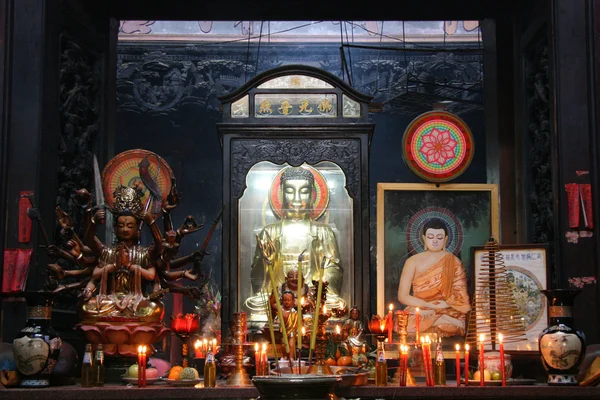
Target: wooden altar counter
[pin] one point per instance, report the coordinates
(162, 391)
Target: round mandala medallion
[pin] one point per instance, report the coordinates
(438, 146)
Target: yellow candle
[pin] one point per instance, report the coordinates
(313, 334)
(481, 359)
(300, 287)
(279, 311)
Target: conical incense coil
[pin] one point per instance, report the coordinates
(494, 309)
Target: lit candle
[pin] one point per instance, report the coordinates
(337, 332)
(481, 366)
(204, 346)
(214, 345)
(264, 361)
(426, 360)
(466, 365)
(429, 362)
(403, 364)
(142, 368)
(457, 364)
(390, 323)
(140, 348)
(502, 366)
(198, 348)
(256, 359)
(417, 323)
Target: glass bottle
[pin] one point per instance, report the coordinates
(87, 378)
(381, 371)
(439, 370)
(98, 366)
(210, 369)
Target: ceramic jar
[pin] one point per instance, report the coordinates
(562, 346)
(37, 347)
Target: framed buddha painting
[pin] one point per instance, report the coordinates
(424, 236)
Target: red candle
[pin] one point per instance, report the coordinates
(390, 323)
(502, 365)
(481, 360)
(140, 366)
(417, 322)
(198, 349)
(427, 361)
(457, 364)
(466, 365)
(256, 359)
(403, 364)
(264, 361)
(143, 366)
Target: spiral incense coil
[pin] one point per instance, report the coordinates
(493, 307)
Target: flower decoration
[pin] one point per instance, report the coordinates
(580, 281)
(438, 146)
(378, 325)
(185, 324)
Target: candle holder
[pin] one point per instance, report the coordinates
(402, 323)
(239, 376)
(184, 326)
(320, 367)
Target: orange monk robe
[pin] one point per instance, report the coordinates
(446, 280)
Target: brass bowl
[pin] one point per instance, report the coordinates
(298, 387)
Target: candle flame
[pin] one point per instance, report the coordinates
(457, 347)
(197, 344)
(264, 347)
(500, 337)
(303, 331)
(422, 339)
(482, 337)
(140, 349)
(337, 329)
(417, 310)
(256, 347)
(467, 347)
(391, 306)
(324, 309)
(302, 301)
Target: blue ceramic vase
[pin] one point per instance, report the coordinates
(36, 347)
(562, 346)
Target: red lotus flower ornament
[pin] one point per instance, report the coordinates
(438, 146)
(185, 324)
(378, 325)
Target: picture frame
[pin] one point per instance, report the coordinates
(528, 270)
(403, 208)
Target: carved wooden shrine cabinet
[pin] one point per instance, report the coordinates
(294, 116)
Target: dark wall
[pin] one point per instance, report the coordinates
(167, 103)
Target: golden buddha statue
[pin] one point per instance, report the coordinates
(295, 233)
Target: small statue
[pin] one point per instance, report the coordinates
(290, 320)
(353, 332)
